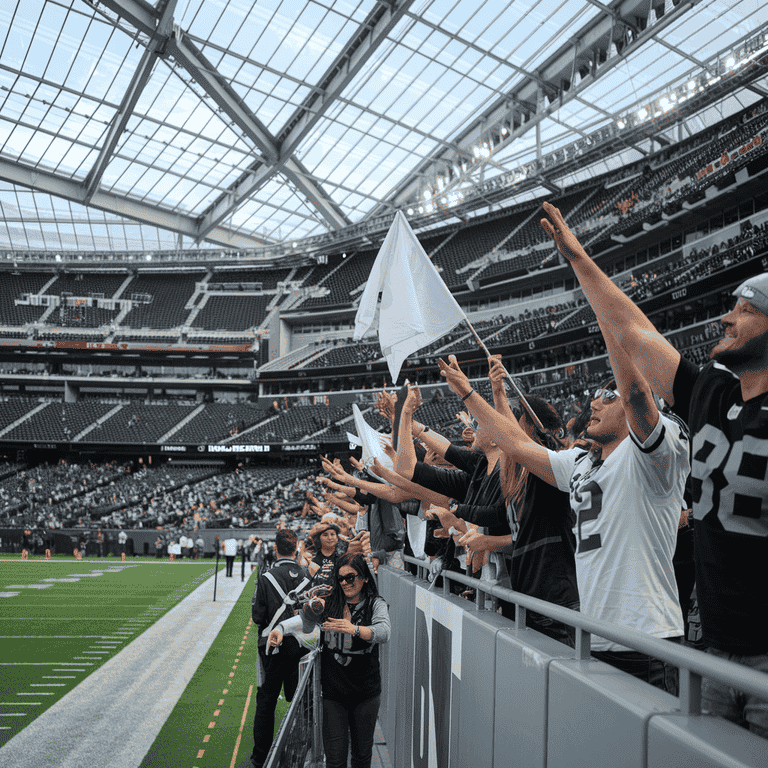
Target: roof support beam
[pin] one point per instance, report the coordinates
(590, 57)
(137, 13)
(301, 177)
(144, 213)
(371, 34)
(127, 105)
(191, 58)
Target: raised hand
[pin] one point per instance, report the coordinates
(385, 404)
(567, 243)
(454, 376)
(497, 373)
(413, 400)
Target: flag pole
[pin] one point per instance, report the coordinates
(523, 400)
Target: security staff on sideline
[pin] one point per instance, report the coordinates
(276, 670)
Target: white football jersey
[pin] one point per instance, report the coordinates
(627, 511)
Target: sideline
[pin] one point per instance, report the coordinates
(113, 716)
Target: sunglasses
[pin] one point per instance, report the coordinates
(605, 395)
(349, 578)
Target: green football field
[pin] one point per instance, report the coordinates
(60, 620)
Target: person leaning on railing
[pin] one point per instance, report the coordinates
(355, 621)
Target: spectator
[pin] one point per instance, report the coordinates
(355, 622)
(722, 402)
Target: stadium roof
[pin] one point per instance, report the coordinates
(131, 126)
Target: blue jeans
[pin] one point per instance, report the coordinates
(744, 709)
(342, 720)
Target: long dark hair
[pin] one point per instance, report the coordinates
(514, 477)
(334, 606)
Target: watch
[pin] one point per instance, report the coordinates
(453, 506)
(357, 631)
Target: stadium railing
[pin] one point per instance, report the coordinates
(298, 743)
(463, 685)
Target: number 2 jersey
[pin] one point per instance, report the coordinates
(627, 511)
(729, 485)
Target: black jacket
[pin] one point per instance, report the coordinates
(266, 600)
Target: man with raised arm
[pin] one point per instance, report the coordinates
(626, 495)
(726, 406)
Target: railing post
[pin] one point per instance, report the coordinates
(690, 692)
(317, 725)
(583, 644)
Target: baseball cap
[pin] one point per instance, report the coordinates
(755, 291)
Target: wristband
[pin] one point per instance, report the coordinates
(471, 391)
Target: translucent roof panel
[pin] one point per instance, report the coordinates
(370, 108)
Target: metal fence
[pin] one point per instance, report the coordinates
(298, 743)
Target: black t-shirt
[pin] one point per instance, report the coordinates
(327, 564)
(543, 563)
(480, 492)
(729, 485)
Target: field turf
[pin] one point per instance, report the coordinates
(212, 723)
(65, 620)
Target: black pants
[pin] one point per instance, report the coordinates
(644, 667)
(230, 563)
(281, 670)
(349, 724)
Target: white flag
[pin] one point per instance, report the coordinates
(371, 442)
(416, 306)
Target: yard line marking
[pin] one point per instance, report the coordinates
(62, 580)
(59, 677)
(9, 594)
(20, 703)
(71, 669)
(39, 693)
(28, 586)
(12, 714)
(44, 637)
(242, 724)
(42, 663)
(47, 685)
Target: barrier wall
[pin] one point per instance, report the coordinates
(464, 687)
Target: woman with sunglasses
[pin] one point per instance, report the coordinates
(355, 621)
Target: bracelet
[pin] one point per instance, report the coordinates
(471, 392)
(424, 431)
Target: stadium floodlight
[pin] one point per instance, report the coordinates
(148, 256)
(691, 85)
(410, 211)
(620, 124)
(476, 152)
(427, 194)
(730, 62)
(57, 257)
(642, 113)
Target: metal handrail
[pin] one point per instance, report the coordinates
(311, 665)
(693, 664)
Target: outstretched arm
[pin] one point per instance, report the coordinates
(406, 453)
(636, 397)
(505, 432)
(655, 357)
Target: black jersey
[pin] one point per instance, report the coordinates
(729, 485)
(543, 563)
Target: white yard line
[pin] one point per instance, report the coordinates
(113, 716)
